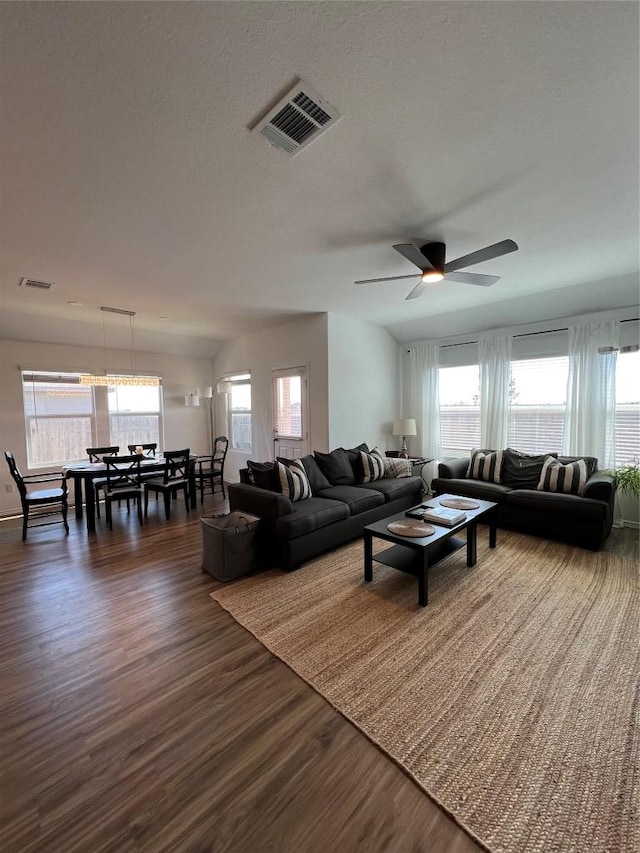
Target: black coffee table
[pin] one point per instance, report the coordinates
(417, 556)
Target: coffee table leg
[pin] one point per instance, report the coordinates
(368, 556)
(423, 581)
(493, 535)
(472, 543)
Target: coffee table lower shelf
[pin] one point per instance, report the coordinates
(415, 556)
(403, 558)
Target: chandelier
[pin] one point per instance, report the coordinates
(105, 378)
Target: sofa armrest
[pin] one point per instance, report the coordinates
(453, 469)
(600, 487)
(261, 502)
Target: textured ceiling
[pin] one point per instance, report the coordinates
(130, 177)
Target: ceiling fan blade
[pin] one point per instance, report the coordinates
(418, 290)
(409, 251)
(472, 278)
(388, 278)
(486, 254)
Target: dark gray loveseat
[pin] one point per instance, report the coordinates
(293, 532)
(583, 520)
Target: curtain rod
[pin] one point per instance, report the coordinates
(528, 334)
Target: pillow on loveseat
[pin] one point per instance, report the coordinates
(336, 467)
(397, 467)
(372, 467)
(316, 478)
(522, 470)
(294, 483)
(263, 475)
(485, 465)
(570, 478)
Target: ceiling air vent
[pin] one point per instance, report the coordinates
(32, 282)
(295, 121)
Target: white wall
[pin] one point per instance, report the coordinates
(183, 426)
(300, 343)
(364, 383)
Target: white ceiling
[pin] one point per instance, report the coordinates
(130, 177)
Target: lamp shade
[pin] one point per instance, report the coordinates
(205, 391)
(405, 426)
(191, 400)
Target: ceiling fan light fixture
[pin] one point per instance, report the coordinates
(431, 276)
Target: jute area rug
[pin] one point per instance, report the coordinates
(512, 699)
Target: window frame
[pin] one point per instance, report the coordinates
(234, 381)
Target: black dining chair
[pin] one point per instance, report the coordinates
(175, 478)
(122, 483)
(96, 454)
(46, 498)
(147, 449)
(211, 468)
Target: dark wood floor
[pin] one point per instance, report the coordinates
(136, 715)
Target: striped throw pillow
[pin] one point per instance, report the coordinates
(372, 466)
(396, 467)
(570, 478)
(294, 483)
(485, 465)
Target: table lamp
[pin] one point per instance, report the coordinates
(404, 427)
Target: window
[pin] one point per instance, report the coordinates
(63, 417)
(459, 409)
(134, 414)
(240, 411)
(627, 418)
(287, 403)
(537, 397)
(59, 418)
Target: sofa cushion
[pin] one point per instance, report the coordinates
(471, 489)
(336, 466)
(485, 465)
(264, 475)
(294, 482)
(396, 467)
(522, 470)
(570, 478)
(310, 515)
(392, 489)
(372, 465)
(558, 504)
(357, 498)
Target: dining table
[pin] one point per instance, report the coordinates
(84, 475)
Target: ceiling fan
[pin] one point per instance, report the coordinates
(430, 260)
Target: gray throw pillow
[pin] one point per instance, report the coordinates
(336, 467)
(522, 470)
(264, 475)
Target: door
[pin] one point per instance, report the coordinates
(290, 432)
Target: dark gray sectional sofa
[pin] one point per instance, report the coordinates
(292, 532)
(583, 520)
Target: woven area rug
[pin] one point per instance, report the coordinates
(512, 699)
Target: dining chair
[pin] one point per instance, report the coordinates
(122, 483)
(175, 478)
(96, 454)
(147, 449)
(211, 468)
(39, 497)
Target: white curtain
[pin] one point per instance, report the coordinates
(494, 357)
(591, 397)
(423, 399)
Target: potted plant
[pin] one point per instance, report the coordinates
(627, 478)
